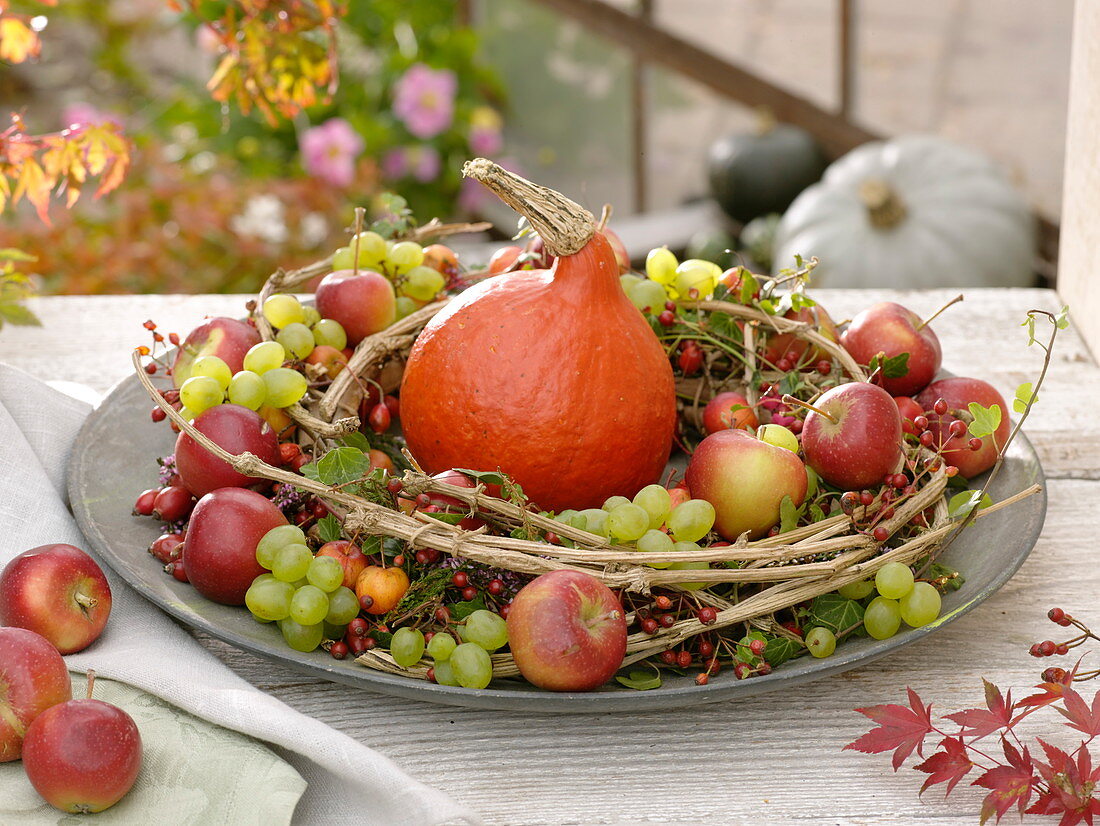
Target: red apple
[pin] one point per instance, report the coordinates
(746, 480)
(959, 392)
(226, 338)
(798, 350)
(364, 303)
(891, 329)
(622, 257)
(33, 677)
(856, 439)
(220, 550)
(567, 631)
(234, 428)
(720, 413)
(908, 409)
(330, 358)
(57, 591)
(83, 755)
(349, 556)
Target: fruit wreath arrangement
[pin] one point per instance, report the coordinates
(525, 520)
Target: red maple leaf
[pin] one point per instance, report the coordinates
(1069, 786)
(899, 728)
(1051, 692)
(1009, 785)
(1086, 720)
(950, 765)
(977, 722)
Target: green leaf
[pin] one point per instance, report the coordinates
(12, 254)
(310, 471)
(835, 612)
(959, 505)
(749, 286)
(788, 515)
(486, 477)
(448, 518)
(938, 569)
(767, 306)
(1062, 319)
(1024, 396)
(18, 315)
(640, 680)
(721, 292)
(1029, 322)
(357, 440)
(461, 610)
(328, 528)
(781, 649)
(342, 465)
(891, 368)
(986, 419)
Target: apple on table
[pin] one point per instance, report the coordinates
(33, 677)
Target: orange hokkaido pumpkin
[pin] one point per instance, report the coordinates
(551, 376)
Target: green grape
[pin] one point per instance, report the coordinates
(690, 566)
(260, 620)
(200, 393)
(628, 522)
(691, 520)
(372, 249)
(213, 367)
(405, 306)
(407, 647)
(660, 265)
(567, 516)
(312, 316)
(440, 647)
(267, 355)
(595, 521)
(247, 389)
(779, 436)
(330, 332)
(301, 637)
(648, 296)
(343, 606)
(882, 618)
(343, 259)
(472, 666)
(309, 605)
(284, 386)
(894, 580)
(269, 577)
(282, 309)
(820, 641)
(291, 562)
(275, 539)
(326, 573)
(629, 281)
(656, 501)
(487, 629)
(696, 279)
(297, 339)
(423, 283)
(613, 502)
(403, 256)
(856, 590)
(921, 605)
(269, 600)
(656, 542)
(444, 673)
(187, 414)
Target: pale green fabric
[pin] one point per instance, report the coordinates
(192, 772)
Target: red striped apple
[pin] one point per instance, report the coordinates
(226, 338)
(363, 302)
(234, 428)
(33, 678)
(891, 329)
(959, 392)
(853, 438)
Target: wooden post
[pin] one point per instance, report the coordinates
(639, 113)
(1079, 261)
(846, 24)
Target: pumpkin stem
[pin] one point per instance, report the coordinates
(564, 226)
(765, 121)
(885, 209)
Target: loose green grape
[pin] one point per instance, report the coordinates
(444, 673)
(486, 629)
(628, 522)
(291, 562)
(372, 249)
(213, 367)
(423, 283)
(312, 316)
(656, 542)
(200, 393)
(820, 641)
(297, 339)
(629, 281)
(267, 355)
(309, 605)
(882, 618)
(613, 502)
(247, 389)
(270, 599)
(301, 637)
(921, 605)
(660, 265)
(595, 521)
(894, 580)
(440, 647)
(696, 279)
(405, 306)
(403, 256)
(690, 566)
(778, 435)
(282, 309)
(657, 502)
(407, 647)
(329, 332)
(648, 296)
(472, 666)
(284, 386)
(326, 573)
(856, 590)
(691, 520)
(277, 538)
(343, 606)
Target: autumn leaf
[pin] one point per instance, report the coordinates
(1010, 785)
(948, 766)
(1081, 717)
(977, 722)
(1051, 692)
(900, 729)
(18, 41)
(1069, 785)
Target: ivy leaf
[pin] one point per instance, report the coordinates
(749, 286)
(486, 477)
(1029, 322)
(799, 300)
(640, 680)
(767, 305)
(1061, 321)
(781, 649)
(328, 529)
(959, 505)
(986, 419)
(721, 291)
(953, 579)
(357, 440)
(342, 465)
(1024, 396)
(900, 729)
(461, 610)
(788, 515)
(448, 518)
(891, 368)
(834, 612)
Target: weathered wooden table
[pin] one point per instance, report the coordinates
(770, 759)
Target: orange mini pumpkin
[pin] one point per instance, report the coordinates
(551, 376)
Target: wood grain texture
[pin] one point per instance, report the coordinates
(774, 759)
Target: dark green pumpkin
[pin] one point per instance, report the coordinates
(754, 174)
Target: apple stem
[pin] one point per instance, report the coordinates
(91, 682)
(788, 399)
(85, 600)
(928, 320)
(359, 213)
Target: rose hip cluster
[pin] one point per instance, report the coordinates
(1050, 648)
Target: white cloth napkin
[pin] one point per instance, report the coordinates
(348, 782)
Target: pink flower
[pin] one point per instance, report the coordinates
(424, 100)
(329, 151)
(395, 163)
(421, 162)
(485, 125)
(428, 165)
(87, 115)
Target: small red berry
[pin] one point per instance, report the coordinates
(173, 503)
(666, 318)
(707, 615)
(358, 627)
(764, 668)
(957, 427)
(174, 339)
(366, 601)
(668, 657)
(423, 500)
(505, 610)
(920, 423)
(167, 547)
(649, 625)
(177, 571)
(395, 486)
(866, 498)
(940, 407)
(357, 645)
(460, 579)
(469, 593)
(1047, 648)
(824, 367)
(1055, 614)
(151, 368)
(706, 649)
(663, 603)
(338, 650)
(683, 659)
(783, 365)
(881, 534)
(399, 560)
(379, 418)
(495, 587)
(431, 675)
(741, 670)
(144, 504)
(975, 444)
(1054, 675)
(1061, 649)
(149, 325)
(667, 620)
(288, 452)
(691, 358)
(757, 647)
(950, 471)
(393, 405)
(701, 679)
(670, 306)
(423, 557)
(926, 438)
(443, 614)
